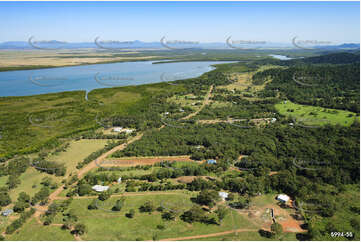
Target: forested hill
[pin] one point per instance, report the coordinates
(330, 58)
(330, 86)
(335, 58)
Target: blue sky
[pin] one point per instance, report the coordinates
(338, 22)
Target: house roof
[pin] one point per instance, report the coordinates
(211, 161)
(100, 188)
(223, 194)
(283, 197)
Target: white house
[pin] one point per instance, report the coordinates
(7, 212)
(117, 129)
(122, 130)
(223, 195)
(100, 188)
(283, 198)
(119, 180)
(273, 120)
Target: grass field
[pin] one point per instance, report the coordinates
(77, 151)
(30, 182)
(106, 225)
(34, 231)
(312, 115)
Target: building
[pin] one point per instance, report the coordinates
(100, 188)
(273, 120)
(283, 198)
(119, 180)
(223, 195)
(122, 130)
(117, 129)
(211, 162)
(7, 212)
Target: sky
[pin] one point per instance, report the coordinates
(279, 22)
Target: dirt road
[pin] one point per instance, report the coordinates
(54, 196)
(210, 235)
(205, 102)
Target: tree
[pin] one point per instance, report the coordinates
(84, 189)
(221, 213)
(4, 199)
(147, 207)
(80, 229)
(277, 230)
(207, 197)
(195, 214)
(118, 205)
(20, 206)
(131, 213)
(24, 197)
(93, 204)
(104, 195)
(169, 215)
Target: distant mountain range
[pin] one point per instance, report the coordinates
(53, 44)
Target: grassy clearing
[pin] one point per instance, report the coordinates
(30, 182)
(312, 115)
(103, 225)
(34, 231)
(261, 201)
(188, 101)
(77, 151)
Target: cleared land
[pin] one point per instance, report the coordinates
(77, 151)
(312, 115)
(106, 225)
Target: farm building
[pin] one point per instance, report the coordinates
(7, 212)
(223, 195)
(100, 188)
(119, 180)
(122, 130)
(283, 198)
(117, 129)
(211, 162)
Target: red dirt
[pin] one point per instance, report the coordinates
(134, 161)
